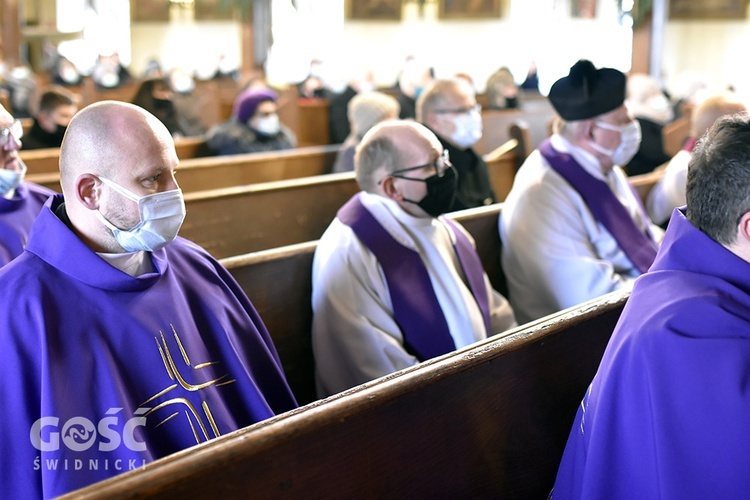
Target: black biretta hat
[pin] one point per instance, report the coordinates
(587, 92)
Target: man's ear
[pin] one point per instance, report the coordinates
(744, 227)
(389, 189)
(587, 129)
(87, 189)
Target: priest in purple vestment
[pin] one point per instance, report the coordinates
(120, 342)
(667, 413)
(20, 201)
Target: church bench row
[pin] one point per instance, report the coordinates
(215, 172)
(488, 421)
(279, 283)
(242, 219)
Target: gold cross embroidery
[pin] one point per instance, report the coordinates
(173, 370)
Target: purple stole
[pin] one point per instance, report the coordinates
(604, 206)
(415, 305)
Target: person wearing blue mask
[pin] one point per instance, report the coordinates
(572, 227)
(20, 201)
(253, 127)
(394, 282)
(448, 107)
(121, 342)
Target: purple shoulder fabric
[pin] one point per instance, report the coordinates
(108, 372)
(17, 215)
(605, 207)
(665, 416)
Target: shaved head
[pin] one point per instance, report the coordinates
(105, 136)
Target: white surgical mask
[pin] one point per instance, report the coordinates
(630, 141)
(468, 129)
(268, 125)
(10, 179)
(161, 216)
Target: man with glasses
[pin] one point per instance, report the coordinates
(394, 282)
(572, 227)
(20, 202)
(449, 109)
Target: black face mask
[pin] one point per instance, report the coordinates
(441, 191)
(60, 132)
(163, 104)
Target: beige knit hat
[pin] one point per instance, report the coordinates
(369, 108)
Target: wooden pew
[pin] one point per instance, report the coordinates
(496, 124)
(243, 219)
(674, 135)
(488, 421)
(643, 183)
(279, 282)
(215, 172)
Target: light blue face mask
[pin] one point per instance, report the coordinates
(10, 179)
(161, 216)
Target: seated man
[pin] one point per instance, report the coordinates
(56, 107)
(121, 344)
(666, 414)
(669, 192)
(253, 127)
(572, 228)
(20, 201)
(393, 282)
(449, 108)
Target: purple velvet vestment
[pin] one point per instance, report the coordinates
(17, 216)
(667, 413)
(103, 372)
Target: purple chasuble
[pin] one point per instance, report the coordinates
(415, 306)
(604, 206)
(667, 413)
(104, 372)
(17, 215)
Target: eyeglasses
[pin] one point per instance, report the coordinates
(440, 164)
(15, 130)
(458, 111)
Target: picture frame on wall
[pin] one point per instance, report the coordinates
(707, 9)
(213, 10)
(373, 10)
(468, 9)
(149, 11)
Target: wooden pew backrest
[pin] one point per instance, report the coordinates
(488, 421)
(643, 183)
(243, 219)
(674, 135)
